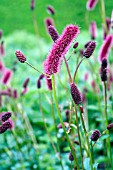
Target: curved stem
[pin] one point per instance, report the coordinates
(87, 140)
(44, 120)
(77, 68)
(36, 69)
(68, 70)
(78, 131)
(106, 123)
(63, 126)
(54, 119)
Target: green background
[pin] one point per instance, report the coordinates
(16, 14)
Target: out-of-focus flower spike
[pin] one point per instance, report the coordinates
(66, 124)
(24, 91)
(0, 34)
(48, 22)
(5, 116)
(25, 84)
(49, 83)
(110, 126)
(108, 24)
(2, 67)
(32, 6)
(20, 56)
(91, 4)
(53, 33)
(50, 10)
(41, 76)
(86, 76)
(6, 76)
(15, 94)
(2, 51)
(75, 45)
(105, 48)
(38, 83)
(93, 30)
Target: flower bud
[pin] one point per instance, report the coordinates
(90, 49)
(95, 135)
(20, 56)
(75, 94)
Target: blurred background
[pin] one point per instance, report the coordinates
(16, 15)
(18, 147)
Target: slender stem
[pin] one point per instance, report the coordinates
(78, 131)
(54, 119)
(103, 14)
(63, 126)
(68, 70)
(36, 69)
(77, 68)
(43, 117)
(70, 55)
(87, 140)
(106, 122)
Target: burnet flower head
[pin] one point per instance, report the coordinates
(91, 4)
(59, 49)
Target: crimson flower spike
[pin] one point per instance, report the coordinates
(90, 49)
(20, 56)
(105, 48)
(6, 76)
(59, 49)
(25, 84)
(91, 4)
(93, 30)
(75, 93)
(32, 5)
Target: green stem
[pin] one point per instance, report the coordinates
(87, 140)
(78, 131)
(63, 126)
(103, 14)
(106, 123)
(44, 120)
(68, 70)
(36, 69)
(54, 120)
(77, 68)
